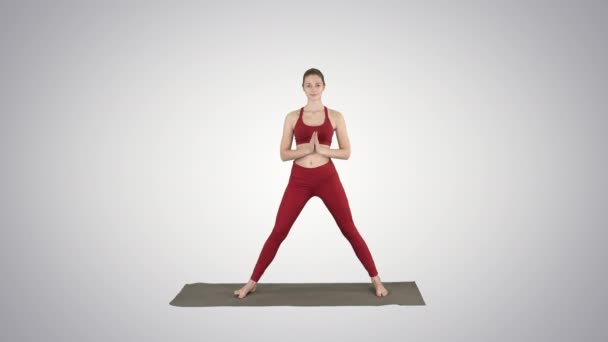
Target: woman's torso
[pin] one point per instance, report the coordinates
(308, 122)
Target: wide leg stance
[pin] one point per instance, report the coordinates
(304, 183)
(333, 195)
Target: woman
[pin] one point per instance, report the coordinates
(313, 174)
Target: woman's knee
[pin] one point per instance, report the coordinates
(278, 235)
(349, 231)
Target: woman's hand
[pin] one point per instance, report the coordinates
(318, 147)
(308, 147)
(313, 145)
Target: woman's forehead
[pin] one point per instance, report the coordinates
(313, 78)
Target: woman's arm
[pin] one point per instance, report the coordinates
(293, 154)
(286, 152)
(344, 151)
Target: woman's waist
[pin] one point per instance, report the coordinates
(312, 160)
(312, 175)
(312, 163)
(316, 169)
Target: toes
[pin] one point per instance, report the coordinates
(382, 292)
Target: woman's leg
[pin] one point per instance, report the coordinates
(333, 195)
(294, 199)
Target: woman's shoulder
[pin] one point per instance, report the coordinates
(334, 114)
(331, 110)
(292, 117)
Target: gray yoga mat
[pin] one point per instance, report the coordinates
(298, 294)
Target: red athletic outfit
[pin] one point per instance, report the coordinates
(303, 132)
(322, 181)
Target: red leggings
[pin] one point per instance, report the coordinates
(322, 181)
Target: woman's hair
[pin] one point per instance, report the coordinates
(313, 71)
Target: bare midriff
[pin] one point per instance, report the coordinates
(314, 159)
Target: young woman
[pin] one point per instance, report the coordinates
(313, 174)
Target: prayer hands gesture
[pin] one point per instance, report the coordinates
(313, 145)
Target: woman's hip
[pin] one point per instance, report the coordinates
(312, 175)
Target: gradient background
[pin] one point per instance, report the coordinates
(140, 152)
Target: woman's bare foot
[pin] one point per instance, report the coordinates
(249, 287)
(380, 290)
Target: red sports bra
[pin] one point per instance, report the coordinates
(303, 132)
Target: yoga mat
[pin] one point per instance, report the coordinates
(298, 294)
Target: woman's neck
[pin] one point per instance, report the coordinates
(314, 106)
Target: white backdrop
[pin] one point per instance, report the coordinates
(140, 152)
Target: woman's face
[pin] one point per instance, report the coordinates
(313, 87)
